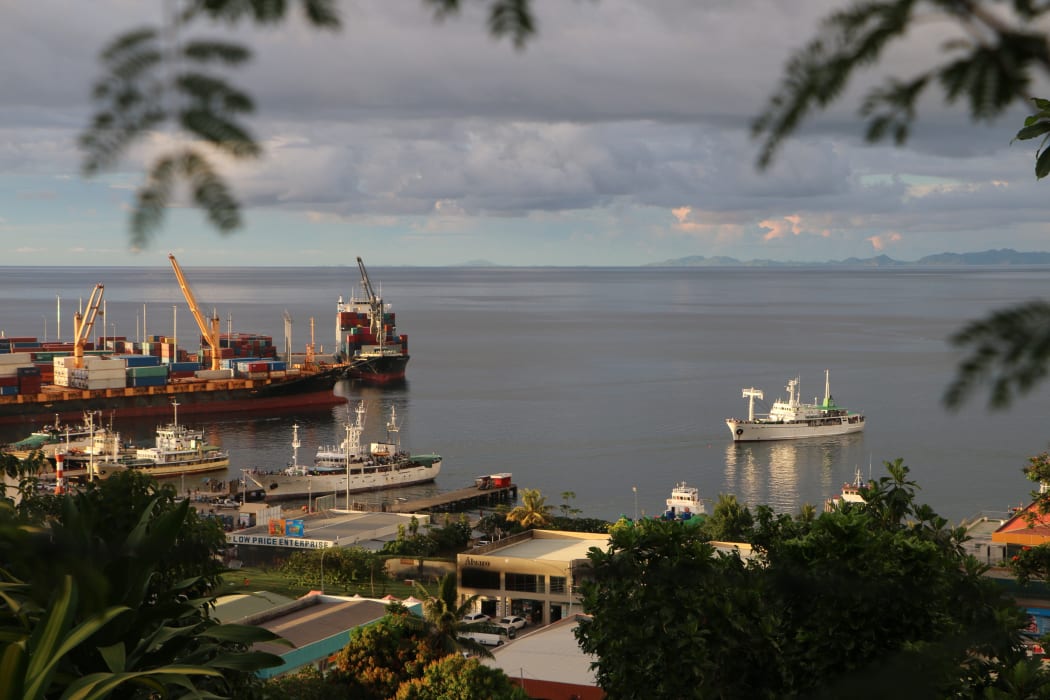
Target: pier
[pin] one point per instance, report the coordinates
(458, 501)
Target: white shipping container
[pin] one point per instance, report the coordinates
(214, 374)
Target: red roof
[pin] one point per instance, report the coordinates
(1026, 527)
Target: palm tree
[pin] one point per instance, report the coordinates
(443, 618)
(533, 511)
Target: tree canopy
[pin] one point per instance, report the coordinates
(110, 589)
(870, 600)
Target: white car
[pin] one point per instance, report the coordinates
(514, 621)
(476, 617)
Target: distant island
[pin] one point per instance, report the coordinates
(1002, 257)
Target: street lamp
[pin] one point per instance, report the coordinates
(635, 489)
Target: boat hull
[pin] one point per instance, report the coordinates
(387, 369)
(423, 469)
(195, 397)
(756, 431)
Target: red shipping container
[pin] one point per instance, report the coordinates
(29, 385)
(9, 381)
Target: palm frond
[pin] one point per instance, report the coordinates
(1008, 350)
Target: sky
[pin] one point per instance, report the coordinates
(619, 136)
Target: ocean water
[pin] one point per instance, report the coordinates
(603, 381)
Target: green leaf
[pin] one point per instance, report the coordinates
(100, 685)
(1030, 132)
(1042, 164)
(12, 670)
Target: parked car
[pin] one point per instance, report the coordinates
(476, 617)
(515, 621)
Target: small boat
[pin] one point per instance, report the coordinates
(685, 503)
(850, 494)
(348, 468)
(57, 437)
(791, 419)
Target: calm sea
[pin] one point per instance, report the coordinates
(597, 381)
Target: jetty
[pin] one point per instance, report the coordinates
(458, 501)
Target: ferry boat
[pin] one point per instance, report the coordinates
(790, 418)
(177, 450)
(685, 503)
(366, 337)
(348, 468)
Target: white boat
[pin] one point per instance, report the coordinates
(850, 494)
(177, 450)
(685, 503)
(790, 419)
(348, 468)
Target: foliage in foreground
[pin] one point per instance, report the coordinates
(874, 600)
(106, 593)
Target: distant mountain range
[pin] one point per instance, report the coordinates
(1004, 256)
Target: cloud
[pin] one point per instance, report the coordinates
(880, 241)
(779, 228)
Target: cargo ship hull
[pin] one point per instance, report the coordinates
(195, 397)
(385, 369)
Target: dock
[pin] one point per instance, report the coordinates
(458, 501)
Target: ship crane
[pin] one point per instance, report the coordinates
(375, 304)
(82, 328)
(209, 330)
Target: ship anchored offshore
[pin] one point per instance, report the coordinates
(791, 419)
(234, 372)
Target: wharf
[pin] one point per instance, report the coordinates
(458, 501)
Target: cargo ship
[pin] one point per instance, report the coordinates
(366, 337)
(197, 391)
(233, 372)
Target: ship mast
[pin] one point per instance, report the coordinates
(751, 394)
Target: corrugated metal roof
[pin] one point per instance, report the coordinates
(550, 654)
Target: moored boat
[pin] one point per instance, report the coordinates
(56, 437)
(348, 468)
(366, 337)
(234, 372)
(684, 503)
(790, 418)
(177, 450)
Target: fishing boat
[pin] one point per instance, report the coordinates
(684, 503)
(366, 337)
(177, 450)
(349, 468)
(790, 418)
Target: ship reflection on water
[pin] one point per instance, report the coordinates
(777, 472)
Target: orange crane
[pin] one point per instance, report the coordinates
(210, 330)
(82, 328)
